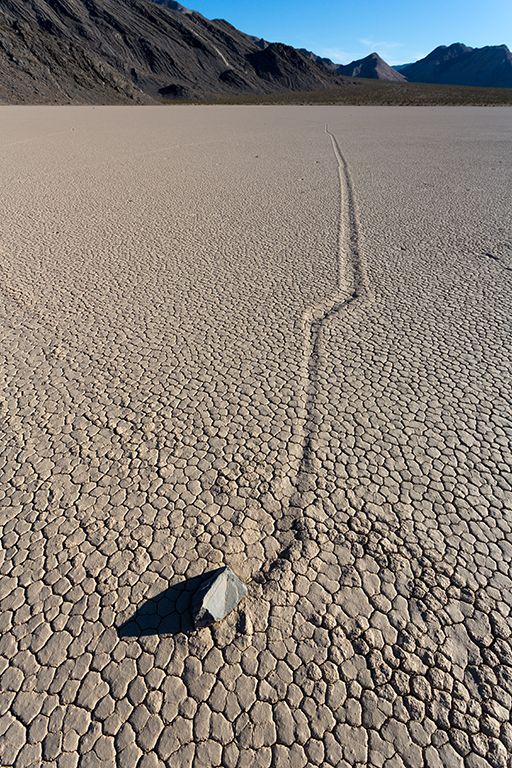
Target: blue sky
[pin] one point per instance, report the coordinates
(399, 30)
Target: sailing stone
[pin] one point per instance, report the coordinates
(216, 597)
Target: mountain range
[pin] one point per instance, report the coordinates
(456, 64)
(137, 51)
(459, 64)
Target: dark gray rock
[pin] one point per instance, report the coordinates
(216, 597)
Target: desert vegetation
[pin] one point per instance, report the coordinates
(361, 92)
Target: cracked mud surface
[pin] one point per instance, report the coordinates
(277, 339)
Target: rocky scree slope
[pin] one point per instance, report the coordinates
(39, 68)
(129, 50)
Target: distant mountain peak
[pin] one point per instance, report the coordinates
(372, 66)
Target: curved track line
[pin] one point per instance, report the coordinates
(352, 292)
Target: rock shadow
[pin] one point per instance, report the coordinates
(168, 613)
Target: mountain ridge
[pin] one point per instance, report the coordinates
(156, 51)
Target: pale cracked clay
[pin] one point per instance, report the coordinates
(277, 339)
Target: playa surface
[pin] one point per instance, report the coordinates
(274, 338)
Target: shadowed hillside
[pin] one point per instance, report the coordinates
(458, 64)
(129, 50)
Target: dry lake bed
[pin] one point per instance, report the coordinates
(277, 339)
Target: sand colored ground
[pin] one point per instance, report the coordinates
(276, 338)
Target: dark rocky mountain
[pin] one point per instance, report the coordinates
(40, 68)
(371, 66)
(459, 64)
(119, 51)
(290, 70)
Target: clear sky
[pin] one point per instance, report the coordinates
(400, 31)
